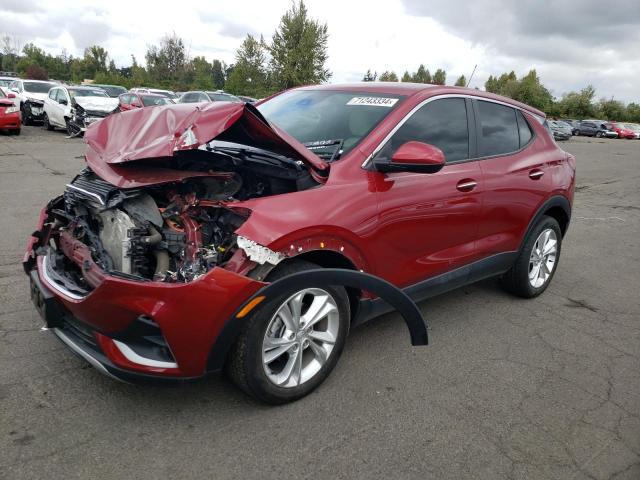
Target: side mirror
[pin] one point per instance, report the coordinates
(11, 95)
(416, 157)
(63, 101)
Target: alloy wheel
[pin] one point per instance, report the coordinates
(543, 258)
(300, 337)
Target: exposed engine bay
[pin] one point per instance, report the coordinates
(172, 232)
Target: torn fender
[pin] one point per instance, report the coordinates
(391, 294)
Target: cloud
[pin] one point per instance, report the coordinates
(18, 6)
(572, 42)
(227, 27)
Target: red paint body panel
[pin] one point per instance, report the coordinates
(148, 133)
(190, 315)
(9, 121)
(403, 227)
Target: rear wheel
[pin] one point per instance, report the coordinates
(290, 344)
(537, 261)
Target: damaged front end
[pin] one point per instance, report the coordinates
(168, 219)
(169, 233)
(81, 118)
(134, 249)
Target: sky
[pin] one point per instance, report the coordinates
(570, 43)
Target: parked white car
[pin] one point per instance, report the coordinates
(30, 95)
(156, 91)
(75, 108)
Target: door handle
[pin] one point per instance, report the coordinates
(466, 185)
(535, 174)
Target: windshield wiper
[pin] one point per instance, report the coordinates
(336, 145)
(263, 155)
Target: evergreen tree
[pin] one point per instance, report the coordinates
(299, 49)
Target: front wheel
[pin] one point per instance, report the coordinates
(46, 124)
(537, 261)
(290, 344)
(26, 116)
(598, 134)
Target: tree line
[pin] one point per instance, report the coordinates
(296, 55)
(530, 90)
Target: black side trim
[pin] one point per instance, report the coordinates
(474, 272)
(387, 292)
(556, 201)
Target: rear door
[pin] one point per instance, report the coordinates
(428, 222)
(516, 159)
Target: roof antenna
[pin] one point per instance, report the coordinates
(474, 71)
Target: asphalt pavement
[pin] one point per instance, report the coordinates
(508, 389)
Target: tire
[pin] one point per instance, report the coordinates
(17, 131)
(26, 119)
(598, 134)
(246, 364)
(517, 280)
(46, 124)
(71, 131)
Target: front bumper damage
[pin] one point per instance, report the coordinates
(33, 111)
(81, 119)
(144, 330)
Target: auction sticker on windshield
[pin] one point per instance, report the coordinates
(373, 101)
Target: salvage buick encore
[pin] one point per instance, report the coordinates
(226, 237)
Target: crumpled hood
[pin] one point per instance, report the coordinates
(34, 95)
(97, 104)
(158, 132)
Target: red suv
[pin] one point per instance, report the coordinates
(133, 100)
(226, 236)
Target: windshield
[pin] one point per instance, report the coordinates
(4, 82)
(2, 95)
(151, 100)
(112, 90)
(38, 87)
(222, 97)
(85, 92)
(160, 92)
(329, 123)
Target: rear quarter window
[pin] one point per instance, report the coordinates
(524, 130)
(498, 129)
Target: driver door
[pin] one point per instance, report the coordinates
(428, 223)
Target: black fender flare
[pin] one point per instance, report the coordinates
(393, 295)
(555, 201)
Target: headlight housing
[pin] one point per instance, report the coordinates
(13, 109)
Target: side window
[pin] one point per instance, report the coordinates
(498, 129)
(441, 123)
(523, 129)
(203, 98)
(52, 93)
(190, 98)
(61, 95)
